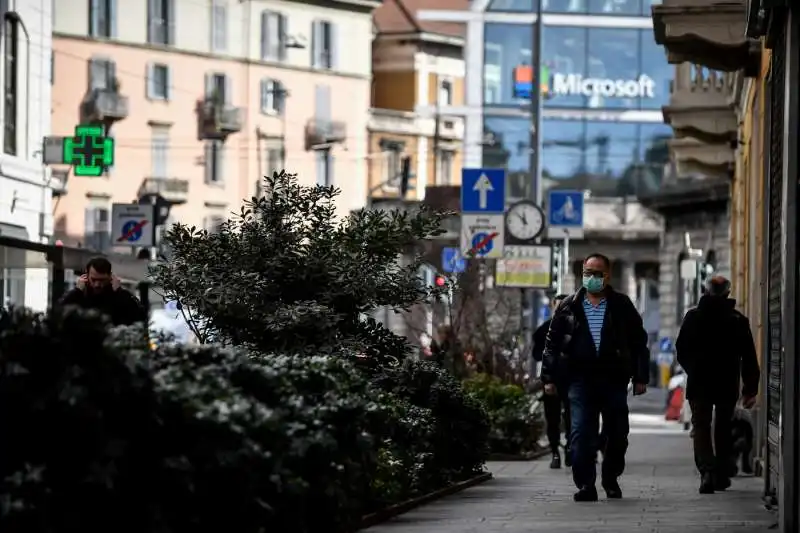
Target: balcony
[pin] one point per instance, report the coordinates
(103, 106)
(706, 32)
(321, 133)
(701, 104)
(414, 124)
(693, 157)
(173, 190)
(216, 121)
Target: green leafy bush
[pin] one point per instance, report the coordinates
(515, 418)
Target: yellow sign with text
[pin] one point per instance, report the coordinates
(524, 273)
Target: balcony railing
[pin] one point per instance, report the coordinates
(104, 106)
(218, 120)
(325, 132)
(173, 190)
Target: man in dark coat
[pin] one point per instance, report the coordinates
(715, 347)
(597, 345)
(99, 289)
(554, 404)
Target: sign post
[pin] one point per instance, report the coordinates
(565, 221)
(483, 203)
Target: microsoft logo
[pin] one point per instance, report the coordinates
(558, 84)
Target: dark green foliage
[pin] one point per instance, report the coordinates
(286, 274)
(516, 419)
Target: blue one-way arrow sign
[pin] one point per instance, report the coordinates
(483, 190)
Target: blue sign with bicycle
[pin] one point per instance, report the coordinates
(565, 214)
(452, 261)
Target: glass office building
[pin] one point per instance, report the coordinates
(603, 82)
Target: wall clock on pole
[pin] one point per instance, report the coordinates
(524, 221)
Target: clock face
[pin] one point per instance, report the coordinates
(524, 221)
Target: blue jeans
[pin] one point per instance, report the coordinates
(588, 401)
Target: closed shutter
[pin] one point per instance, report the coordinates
(774, 363)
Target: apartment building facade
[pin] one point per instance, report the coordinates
(25, 183)
(415, 64)
(204, 97)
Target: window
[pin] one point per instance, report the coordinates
(507, 63)
(507, 145)
(323, 44)
(214, 162)
(213, 223)
(275, 161)
(97, 227)
(613, 64)
(218, 87)
(158, 82)
(445, 167)
(564, 59)
(161, 21)
(564, 6)
(219, 26)
(10, 85)
(273, 36)
(446, 93)
(513, 5)
(159, 152)
(103, 18)
(654, 66)
(273, 96)
(391, 167)
(324, 163)
(52, 68)
(615, 7)
(102, 74)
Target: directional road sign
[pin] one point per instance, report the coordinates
(665, 344)
(482, 236)
(132, 225)
(453, 261)
(565, 215)
(483, 190)
(89, 152)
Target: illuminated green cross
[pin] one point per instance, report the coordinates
(89, 152)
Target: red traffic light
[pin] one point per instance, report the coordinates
(440, 281)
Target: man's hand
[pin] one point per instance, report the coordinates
(748, 402)
(639, 389)
(115, 283)
(550, 389)
(82, 281)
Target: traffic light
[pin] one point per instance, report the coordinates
(440, 281)
(405, 175)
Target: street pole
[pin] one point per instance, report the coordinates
(564, 259)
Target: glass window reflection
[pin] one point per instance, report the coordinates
(506, 144)
(564, 56)
(513, 5)
(615, 7)
(610, 159)
(507, 68)
(612, 76)
(654, 65)
(564, 6)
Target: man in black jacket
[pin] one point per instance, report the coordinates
(554, 404)
(715, 347)
(597, 345)
(99, 289)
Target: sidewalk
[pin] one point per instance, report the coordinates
(659, 487)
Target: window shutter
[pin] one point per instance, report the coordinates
(103, 228)
(151, 20)
(168, 88)
(94, 74)
(282, 31)
(228, 89)
(170, 29)
(264, 34)
(220, 162)
(279, 97)
(112, 18)
(264, 98)
(150, 82)
(88, 227)
(316, 44)
(111, 74)
(334, 46)
(322, 102)
(209, 162)
(329, 161)
(209, 83)
(94, 17)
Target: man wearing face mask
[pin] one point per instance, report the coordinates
(595, 347)
(99, 289)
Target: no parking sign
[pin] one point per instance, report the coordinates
(132, 225)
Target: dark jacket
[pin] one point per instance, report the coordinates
(539, 340)
(715, 347)
(570, 352)
(120, 305)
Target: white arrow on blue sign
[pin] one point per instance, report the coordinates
(483, 190)
(565, 214)
(452, 261)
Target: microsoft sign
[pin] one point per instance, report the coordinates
(557, 84)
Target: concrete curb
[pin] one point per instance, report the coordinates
(396, 510)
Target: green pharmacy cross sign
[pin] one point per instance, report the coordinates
(89, 152)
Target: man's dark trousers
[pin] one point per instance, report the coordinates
(554, 406)
(588, 401)
(712, 455)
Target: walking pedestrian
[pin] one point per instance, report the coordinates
(101, 290)
(715, 347)
(554, 404)
(595, 347)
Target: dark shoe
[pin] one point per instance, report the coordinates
(586, 494)
(555, 462)
(707, 484)
(613, 490)
(721, 483)
(567, 457)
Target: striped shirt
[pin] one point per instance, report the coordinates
(595, 316)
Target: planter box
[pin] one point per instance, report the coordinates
(400, 508)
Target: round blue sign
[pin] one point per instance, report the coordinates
(132, 231)
(481, 245)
